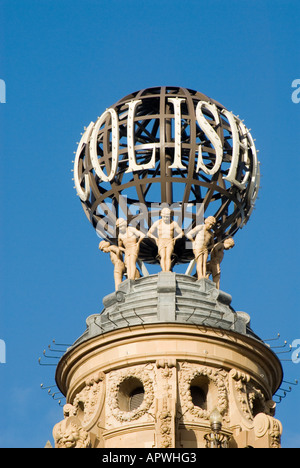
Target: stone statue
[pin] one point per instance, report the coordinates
(216, 257)
(129, 239)
(69, 433)
(116, 257)
(166, 233)
(202, 237)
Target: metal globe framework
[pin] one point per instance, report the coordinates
(167, 146)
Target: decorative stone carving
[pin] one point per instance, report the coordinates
(246, 394)
(165, 427)
(166, 403)
(239, 390)
(166, 365)
(88, 402)
(216, 377)
(118, 378)
(266, 426)
(69, 433)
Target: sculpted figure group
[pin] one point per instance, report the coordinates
(165, 232)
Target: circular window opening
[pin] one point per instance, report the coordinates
(136, 398)
(198, 395)
(131, 394)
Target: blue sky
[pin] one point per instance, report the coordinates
(64, 62)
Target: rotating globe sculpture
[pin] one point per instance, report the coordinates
(167, 147)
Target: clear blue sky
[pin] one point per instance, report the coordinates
(64, 62)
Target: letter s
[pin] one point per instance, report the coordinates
(211, 134)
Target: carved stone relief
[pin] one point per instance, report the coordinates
(217, 390)
(166, 403)
(265, 425)
(69, 432)
(248, 398)
(118, 380)
(82, 415)
(89, 401)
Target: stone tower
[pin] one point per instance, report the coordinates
(166, 351)
(168, 363)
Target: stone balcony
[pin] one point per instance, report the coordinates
(167, 298)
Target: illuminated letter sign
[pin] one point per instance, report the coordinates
(242, 142)
(115, 145)
(83, 193)
(177, 164)
(133, 166)
(211, 134)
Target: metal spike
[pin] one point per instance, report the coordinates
(286, 390)
(61, 344)
(50, 357)
(39, 360)
(283, 346)
(283, 352)
(46, 388)
(291, 383)
(273, 339)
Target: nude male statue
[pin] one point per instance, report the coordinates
(166, 233)
(202, 237)
(216, 257)
(116, 257)
(129, 240)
